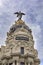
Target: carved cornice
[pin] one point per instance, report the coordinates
(22, 55)
(5, 57)
(37, 60)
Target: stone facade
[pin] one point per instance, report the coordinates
(19, 49)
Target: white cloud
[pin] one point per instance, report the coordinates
(1, 2)
(41, 53)
(0, 26)
(36, 32)
(2, 41)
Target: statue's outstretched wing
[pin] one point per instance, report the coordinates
(19, 14)
(16, 13)
(23, 13)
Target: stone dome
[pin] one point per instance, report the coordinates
(19, 24)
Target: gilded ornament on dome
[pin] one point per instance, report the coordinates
(19, 22)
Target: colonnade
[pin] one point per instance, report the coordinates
(17, 63)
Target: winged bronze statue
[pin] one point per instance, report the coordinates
(19, 14)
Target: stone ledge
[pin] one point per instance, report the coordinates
(37, 60)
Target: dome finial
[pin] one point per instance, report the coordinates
(19, 14)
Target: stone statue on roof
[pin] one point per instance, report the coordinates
(19, 14)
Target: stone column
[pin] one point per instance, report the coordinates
(18, 63)
(8, 63)
(37, 63)
(28, 63)
(32, 63)
(25, 62)
(13, 63)
(2, 63)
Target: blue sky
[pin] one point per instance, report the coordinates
(33, 18)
